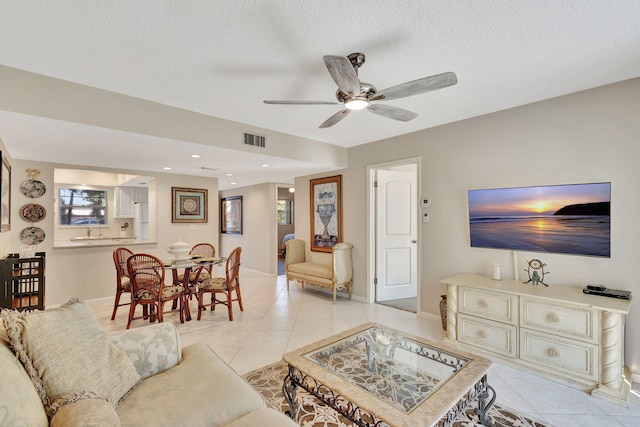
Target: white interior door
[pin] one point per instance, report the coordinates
(396, 234)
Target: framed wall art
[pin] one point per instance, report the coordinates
(325, 195)
(572, 219)
(5, 194)
(231, 215)
(189, 205)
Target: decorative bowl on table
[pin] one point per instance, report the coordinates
(179, 250)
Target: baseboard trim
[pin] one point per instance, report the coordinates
(313, 288)
(431, 316)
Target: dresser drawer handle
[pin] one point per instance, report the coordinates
(483, 303)
(482, 334)
(554, 317)
(554, 353)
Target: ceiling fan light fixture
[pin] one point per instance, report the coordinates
(355, 94)
(356, 104)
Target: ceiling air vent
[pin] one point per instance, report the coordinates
(254, 140)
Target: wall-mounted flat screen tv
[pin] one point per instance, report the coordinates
(569, 219)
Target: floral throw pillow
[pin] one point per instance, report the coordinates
(68, 356)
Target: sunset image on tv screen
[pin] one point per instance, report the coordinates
(570, 219)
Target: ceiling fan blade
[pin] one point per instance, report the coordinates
(390, 112)
(343, 73)
(285, 102)
(335, 118)
(416, 87)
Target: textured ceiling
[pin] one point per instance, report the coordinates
(222, 58)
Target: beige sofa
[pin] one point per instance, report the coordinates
(335, 276)
(52, 376)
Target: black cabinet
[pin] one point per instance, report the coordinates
(22, 282)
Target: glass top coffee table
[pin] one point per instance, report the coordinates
(378, 376)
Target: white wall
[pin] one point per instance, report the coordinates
(89, 272)
(259, 228)
(591, 136)
(6, 241)
(33, 94)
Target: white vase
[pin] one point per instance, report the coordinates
(497, 274)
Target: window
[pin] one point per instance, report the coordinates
(284, 212)
(82, 207)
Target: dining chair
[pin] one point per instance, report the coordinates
(123, 284)
(147, 275)
(205, 250)
(222, 285)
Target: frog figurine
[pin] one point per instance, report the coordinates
(536, 272)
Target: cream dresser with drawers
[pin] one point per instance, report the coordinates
(557, 332)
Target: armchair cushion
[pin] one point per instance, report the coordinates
(152, 349)
(295, 251)
(201, 391)
(67, 354)
(342, 263)
(315, 269)
(264, 418)
(167, 292)
(86, 413)
(214, 283)
(20, 405)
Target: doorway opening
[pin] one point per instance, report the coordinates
(285, 223)
(393, 245)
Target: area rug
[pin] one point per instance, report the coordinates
(313, 413)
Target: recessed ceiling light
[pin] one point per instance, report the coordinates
(264, 165)
(167, 168)
(229, 174)
(233, 183)
(195, 156)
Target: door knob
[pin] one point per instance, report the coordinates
(414, 241)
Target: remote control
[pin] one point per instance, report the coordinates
(606, 292)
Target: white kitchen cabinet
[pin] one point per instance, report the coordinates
(141, 194)
(557, 332)
(124, 202)
(126, 198)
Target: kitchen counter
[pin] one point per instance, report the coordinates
(84, 242)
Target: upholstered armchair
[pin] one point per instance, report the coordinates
(335, 276)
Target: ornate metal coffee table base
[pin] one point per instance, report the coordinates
(485, 394)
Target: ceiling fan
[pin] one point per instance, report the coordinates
(356, 95)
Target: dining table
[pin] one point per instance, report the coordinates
(192, 267)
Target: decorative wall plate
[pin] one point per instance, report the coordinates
(33, 212)
(32, 235)
(33, 188)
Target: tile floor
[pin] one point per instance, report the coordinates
(275, 321)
